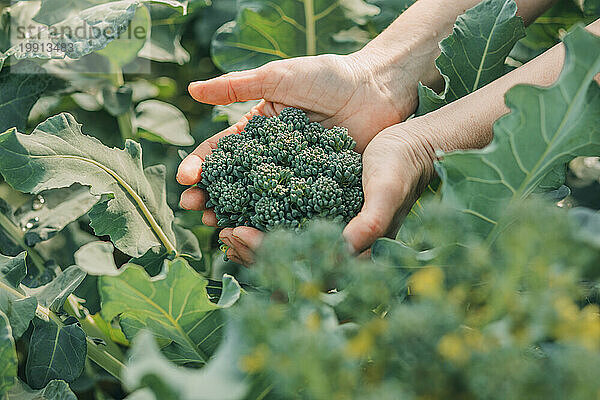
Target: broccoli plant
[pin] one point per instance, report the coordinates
(283, 171)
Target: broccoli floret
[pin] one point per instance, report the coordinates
(283, 171)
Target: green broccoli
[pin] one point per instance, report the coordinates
(283, 171)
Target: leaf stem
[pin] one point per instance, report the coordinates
(15, 233)
(158, 231)
(104, 359)
(311, 31)
(124, 120)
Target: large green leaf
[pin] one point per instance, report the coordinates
(112, 17)
(220, 379)
(56, 351)
(55, 390)
(474, 54)
(163, 123)
(8, 356)
(134, 211)
(21, 86)
(265, 30)
(174, 306)
(547, 127)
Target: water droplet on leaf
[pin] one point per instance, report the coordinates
(38, 202)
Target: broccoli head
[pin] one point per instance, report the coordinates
(283, 171)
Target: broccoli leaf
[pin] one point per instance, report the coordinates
(22, 85)
(133, 211)
(220, 379)
(109, 17)
(19, 309)
(55, 390)
(547, 127)
(8, 356)
(163, 42)
(97, 259)
(474, 54)
(163, 123)
(13, 269)
(54, 294)
(174, 306)
(266, 31)
(56, 351)
(51, 211)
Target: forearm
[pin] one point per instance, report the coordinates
(409, 47)
(467, 123)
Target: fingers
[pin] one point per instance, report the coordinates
(191, 167)
(249, 237)
(378, 215)
(233, 87)
(193, 198)
(243, 242)
(209, 218)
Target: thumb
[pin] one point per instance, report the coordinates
(378, 216)
(233, 87)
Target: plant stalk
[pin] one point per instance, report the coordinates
(124, 120)
(16, 235)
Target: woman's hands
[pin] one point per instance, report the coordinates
(397, 166)
(333, 90)
(353, 91)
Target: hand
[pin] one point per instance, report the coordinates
(353, 91)
(397, 166)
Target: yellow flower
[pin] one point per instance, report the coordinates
(255, 361)
(452, 347)
(427, 282)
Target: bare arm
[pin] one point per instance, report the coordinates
(410, 45)
(398, 162)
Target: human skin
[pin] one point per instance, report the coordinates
(366, 92)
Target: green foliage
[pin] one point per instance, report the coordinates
(161, 122)
(221, 379)
(265, 31)
(449, 313)
(548, 29)
(22, 87)
(547, 128)
(390, 10)
(19, 311)
(48, 213)
(283, 171)
(8, 356)
(474, 54)
(56, 351)
(55, 390)
(174, 306)
(46, 158)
